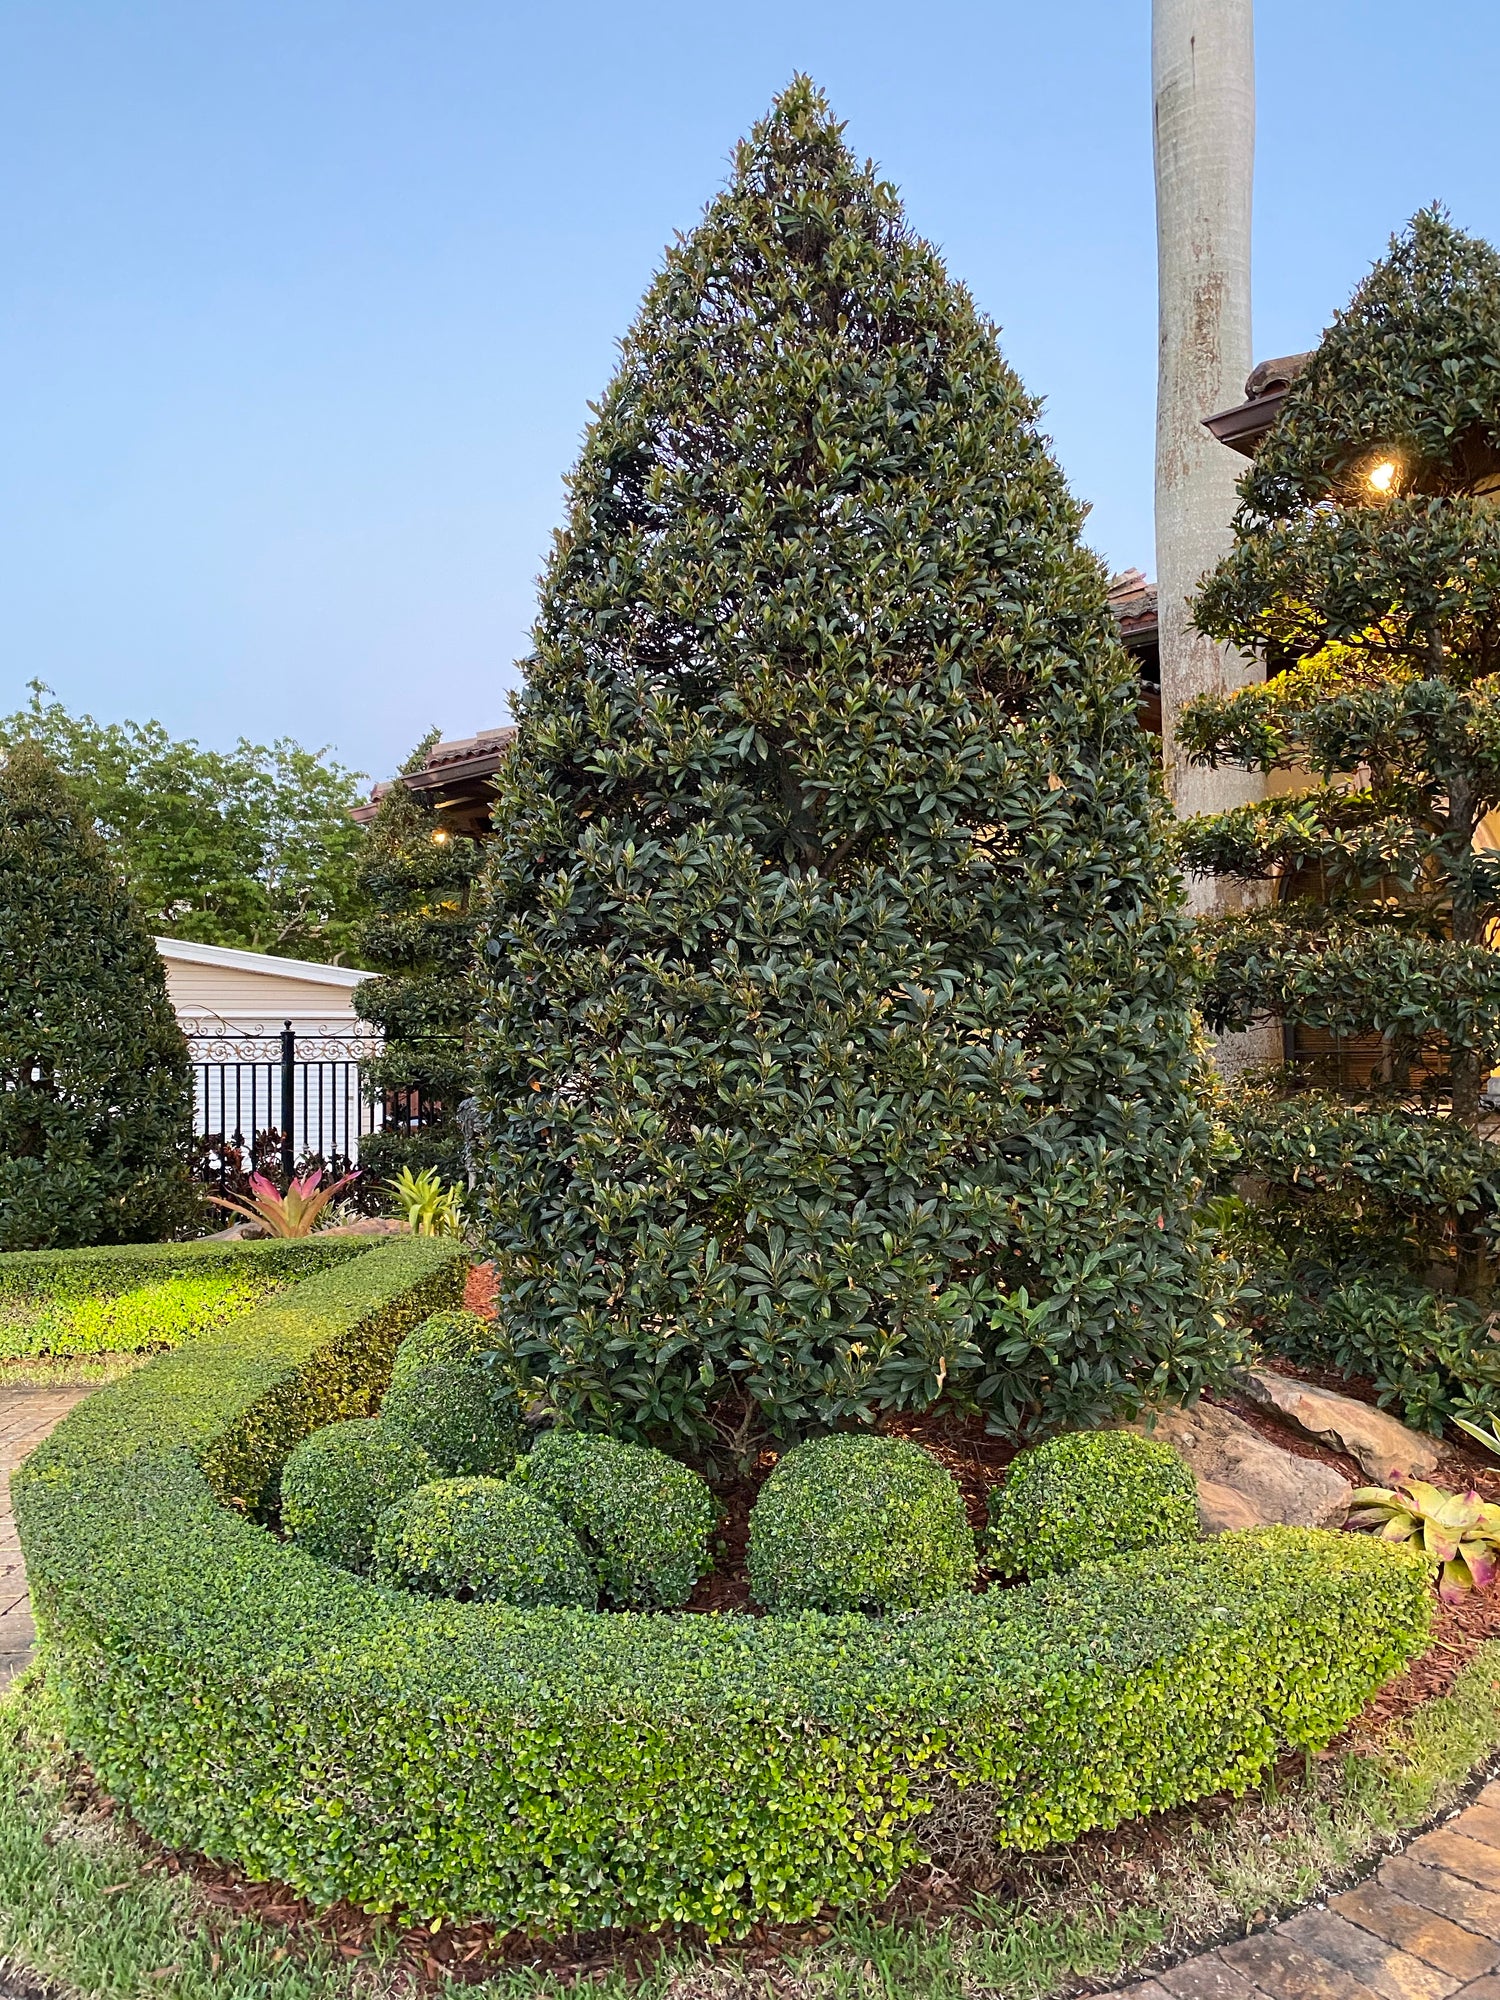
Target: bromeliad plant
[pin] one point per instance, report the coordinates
(1459, 1530)
(294, 1213)
(431, 1208)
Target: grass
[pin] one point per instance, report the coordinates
(80, 1904)
(162, 1314)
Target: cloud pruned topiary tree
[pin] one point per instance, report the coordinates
(1366, 573)
(418, 875)
(837, 1051)
(95, 1087)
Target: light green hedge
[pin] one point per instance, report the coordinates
(40, 1274)
(561, 1768)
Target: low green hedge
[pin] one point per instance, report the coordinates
(555, 1768)
(36, 1274)
(1088, 1495)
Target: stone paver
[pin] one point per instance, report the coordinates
(1426, 1926)
(26, 1416)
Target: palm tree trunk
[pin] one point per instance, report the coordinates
(1203, 81)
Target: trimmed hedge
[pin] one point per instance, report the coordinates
(465, 1416)
(566, 1768)
(338, 1483)
(859, 1523)
(1087, 1496)
(41, 1274)
(487, 1537)
(644, 1518)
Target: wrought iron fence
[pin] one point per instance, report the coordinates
(281, 1103)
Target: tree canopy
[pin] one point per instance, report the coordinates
(837, 1051)
(252, 847)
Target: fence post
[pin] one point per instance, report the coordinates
(288, 1101)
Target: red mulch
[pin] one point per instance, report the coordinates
(479, 1290)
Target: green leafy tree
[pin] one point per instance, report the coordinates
(251, 847)
(837, 1053)
(418, 876)
(95, 1089)
(1366, 574)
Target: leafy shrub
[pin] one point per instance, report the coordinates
(1092, 1494)
(858, 1524)
(484, 1538)
(96, 1094)
(645, 1519)
(338, 1483)
(644, 1770)
(464, 1415)
(827, 917)
(1431, 1358)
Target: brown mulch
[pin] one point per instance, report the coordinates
(479, 1290)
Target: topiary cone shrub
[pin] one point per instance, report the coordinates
(837, 1051)
(96, 1094)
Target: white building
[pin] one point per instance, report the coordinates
(234, 1007)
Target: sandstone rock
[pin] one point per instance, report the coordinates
(1245, 1481)
(1384, 1448)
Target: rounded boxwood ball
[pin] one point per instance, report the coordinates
(1088, 1495)
(339, 1481)
(485, 1538)
(645, 1519)
(464, 1415)
(858, 1523)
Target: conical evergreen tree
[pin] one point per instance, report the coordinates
(95, 1088)
(418, 876)
(837, 1054)
(1366, 574)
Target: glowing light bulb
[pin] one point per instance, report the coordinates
(1380, 476)
(440, 838)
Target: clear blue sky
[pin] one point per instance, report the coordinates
(304, 300)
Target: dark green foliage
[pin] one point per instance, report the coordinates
(419, 875)
(645, 1520)
(95, 1090)
(465, 1416)
(337, 1483)
(1088, 1496)
(853, 1523)
(644, 1770)
(837, 1049)
(1377, 610)
(1430, 1358)
(484, 1539)
(251, 847)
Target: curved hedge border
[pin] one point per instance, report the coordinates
(557, 1768)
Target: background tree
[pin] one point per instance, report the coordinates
(1366, 574)
(251, 847)
(418, 877)
(837, 1053)
(95, 1089)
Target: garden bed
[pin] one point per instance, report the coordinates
(553, 1769)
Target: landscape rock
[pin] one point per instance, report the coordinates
(1245, 1481)
(1385, 1449)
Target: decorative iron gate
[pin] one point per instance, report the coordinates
(280, 1103)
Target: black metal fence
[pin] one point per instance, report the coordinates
(280, 1104)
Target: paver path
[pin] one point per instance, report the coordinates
(1426, 1926)
(26, 1416)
